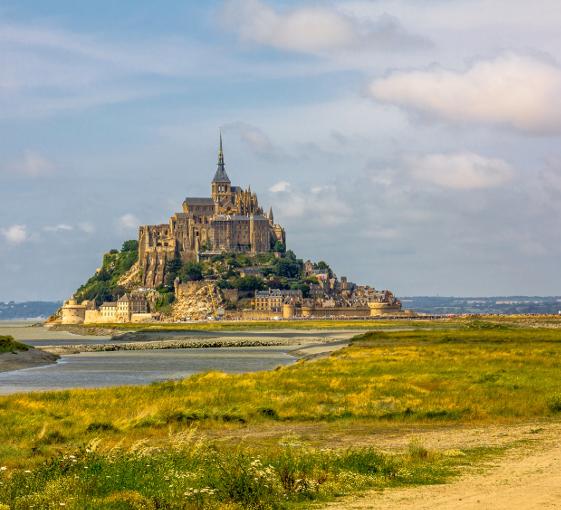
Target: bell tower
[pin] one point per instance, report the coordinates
(221, 184)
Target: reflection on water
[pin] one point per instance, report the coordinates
(96, 369)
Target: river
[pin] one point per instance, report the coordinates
(114, 368)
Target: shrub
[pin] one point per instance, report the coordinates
(554, 403)
(8, 344)
(103, 426)
(191, 272)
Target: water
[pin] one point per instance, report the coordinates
(98, 369)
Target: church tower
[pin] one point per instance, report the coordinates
(221, 184)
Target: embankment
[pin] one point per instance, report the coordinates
(25, 359)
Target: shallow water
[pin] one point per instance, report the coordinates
(98, 369)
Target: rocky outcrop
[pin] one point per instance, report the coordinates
(131, 279)
(197, 301)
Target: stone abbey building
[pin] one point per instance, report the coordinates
(230, 220)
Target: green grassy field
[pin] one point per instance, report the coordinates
(177, 444)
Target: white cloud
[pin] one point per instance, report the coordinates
(128, 221)
(279, 187)
(512, 90)
(461, 171)
(254, 138)
(47, 69)
(15, 234)
(32, 164)
(314, 30)
(318, 205)
(61, 227)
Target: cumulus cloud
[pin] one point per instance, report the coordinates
(314, 30)
(61, 227)
(128, 221)
(513, 90)
(279, 187)
(319, 205)
(462, 171)
(15, 234)
(254, 138)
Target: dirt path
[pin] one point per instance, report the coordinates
(527, 477)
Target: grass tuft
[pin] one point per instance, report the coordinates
(8, 344)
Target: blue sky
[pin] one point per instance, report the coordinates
(414, 145)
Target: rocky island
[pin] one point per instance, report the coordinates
(220, 257)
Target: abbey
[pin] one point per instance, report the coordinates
(230, 220)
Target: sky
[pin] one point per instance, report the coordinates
(413, 145)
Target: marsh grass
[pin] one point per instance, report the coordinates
(8, 344)
(474, 374)
(481, 322)
(311, 324)
(387, 378)
(201, 475)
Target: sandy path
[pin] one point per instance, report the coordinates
(527, 477)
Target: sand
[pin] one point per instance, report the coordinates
(25, 359)
(528, 477)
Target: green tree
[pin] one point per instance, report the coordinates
(248, 283)
(324, 266)
(287, 268)
(279, 247)
(172, 269)
(131, 245)
(191, 271)
(301, 286)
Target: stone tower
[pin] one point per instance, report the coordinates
(221, 184)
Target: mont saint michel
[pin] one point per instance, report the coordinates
(280, 255)
(222, 256)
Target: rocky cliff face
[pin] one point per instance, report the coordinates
(196, 301)
(131, 279)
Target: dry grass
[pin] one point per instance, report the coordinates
(479, 373)
(387, 378)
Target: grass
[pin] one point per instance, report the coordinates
(489, 322)
(308, 324)
(480, 373)
(191, 474)
(8, 344)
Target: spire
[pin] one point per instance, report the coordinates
(271, 214)
(220, 152)
(221, 175)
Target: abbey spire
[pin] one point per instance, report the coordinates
(221, 175)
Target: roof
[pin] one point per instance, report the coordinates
(238, 217)
(198, 201)
(277, 292)
(108, 304)
(221, 175)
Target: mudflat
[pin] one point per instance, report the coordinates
(25, 359)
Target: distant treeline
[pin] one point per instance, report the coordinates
(28, 309)
(484, 305)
